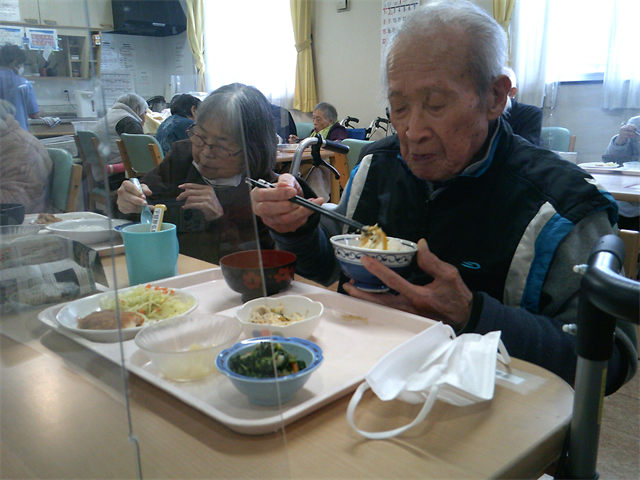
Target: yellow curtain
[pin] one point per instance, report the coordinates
(502, 10)
(195, 34)
(305, 97)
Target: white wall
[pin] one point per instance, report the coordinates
(346, 48)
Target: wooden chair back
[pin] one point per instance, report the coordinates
(142, 153)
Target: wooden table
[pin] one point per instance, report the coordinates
(64, 415)
(622, 187)
(339, 162)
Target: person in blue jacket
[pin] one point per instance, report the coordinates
(174, 127)
(16, 89)
(500, 223)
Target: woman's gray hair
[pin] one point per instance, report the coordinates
(135, 102)
(6, 108)
(329, 111)
(246, 115)
(486, 39)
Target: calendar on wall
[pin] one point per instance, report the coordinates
(393, 14)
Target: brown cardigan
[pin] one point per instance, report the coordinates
(198, 238)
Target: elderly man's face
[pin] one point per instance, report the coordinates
(434, 107)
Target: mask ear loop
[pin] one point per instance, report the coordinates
(355, 399)
(503, 356)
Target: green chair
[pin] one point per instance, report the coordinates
(355, 146)
(557, 138)
(304, 129)
(95, 192)
(65, 180)
(140, 153)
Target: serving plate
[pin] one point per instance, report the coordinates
(31, 218)
(353, 336)
(600, 166)
(68, 316)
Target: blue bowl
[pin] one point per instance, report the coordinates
(264, 391)
(348, 253)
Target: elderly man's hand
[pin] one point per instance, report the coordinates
(626, 132)
(203, 198)
(130, 199)
(275, 209)
(447, 298)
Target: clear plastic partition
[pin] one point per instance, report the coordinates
(110, 330)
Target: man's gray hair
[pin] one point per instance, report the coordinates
(135, 102)
(329, 111)
(486, 39)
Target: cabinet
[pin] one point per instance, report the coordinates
(67, 13)
(78, 57)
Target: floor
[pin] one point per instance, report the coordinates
(619, 449)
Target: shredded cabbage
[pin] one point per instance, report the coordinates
(155, 303)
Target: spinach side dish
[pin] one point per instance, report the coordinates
(259, 362)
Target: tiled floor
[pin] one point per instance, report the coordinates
(619, 449)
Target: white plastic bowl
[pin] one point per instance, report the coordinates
(292, 304)
(185, 348)
(87, 231)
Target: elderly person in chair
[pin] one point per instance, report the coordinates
(202, 179)
(499, 222)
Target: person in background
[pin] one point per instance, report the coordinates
(174, 127)
(26, 168)
(14, 88)
(325, 123)
(126, 115)
(202, 179)
(525, 120)
(627, 145)
(499, 222)
(284, 123)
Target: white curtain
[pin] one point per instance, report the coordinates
(545, 48)
(530, 37)
(622, 75)
(251, 42)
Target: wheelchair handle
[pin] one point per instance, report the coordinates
(327, 144)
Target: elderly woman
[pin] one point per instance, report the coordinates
(183, 115)
(25, 169)
(127, 115)
(202, 179)
(325, 122)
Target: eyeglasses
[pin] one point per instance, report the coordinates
(217, 151)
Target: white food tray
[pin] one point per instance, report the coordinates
(353, 335)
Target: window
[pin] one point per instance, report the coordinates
(251, 42)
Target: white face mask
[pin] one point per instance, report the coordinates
(21, 70)
(434, 364)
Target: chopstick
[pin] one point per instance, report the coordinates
(310, 205)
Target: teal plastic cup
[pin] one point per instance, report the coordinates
(150, 255)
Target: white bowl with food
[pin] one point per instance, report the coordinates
(185, 348)
(95, 318)
(88, 231)
(349, 249)
(286, 316)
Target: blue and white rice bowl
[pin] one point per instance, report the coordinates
(349, 254)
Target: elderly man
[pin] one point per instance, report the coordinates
(500, 222)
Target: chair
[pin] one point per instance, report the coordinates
(631, 240)
(346, 163)
(140, 153)
(558, 139)
(65, 180)
(304, 129)
(94, 189)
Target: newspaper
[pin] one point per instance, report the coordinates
(41, 269)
